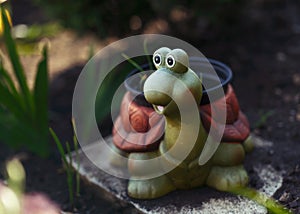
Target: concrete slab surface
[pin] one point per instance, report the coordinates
(199, 200)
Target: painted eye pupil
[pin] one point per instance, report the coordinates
(170, 61)
(157, 60)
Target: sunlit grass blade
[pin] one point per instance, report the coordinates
(91, 52)
(68, 165)
(262, 199)
(70, 156)
(14, 58)
(75, 141)
(147, 54)
(70, 173)
(78, 166)
(59, 145)
(133, 62)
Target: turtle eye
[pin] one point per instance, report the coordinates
(157, 59)
(170, 61)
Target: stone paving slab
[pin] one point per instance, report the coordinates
(199, 200)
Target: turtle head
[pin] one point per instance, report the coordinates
(172, 79)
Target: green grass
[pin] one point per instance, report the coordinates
(263, 119)
(67, 161)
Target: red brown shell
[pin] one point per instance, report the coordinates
(137, 128)
(237, 126)
(138, 119)
(140, 129)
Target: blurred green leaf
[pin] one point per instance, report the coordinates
(17, 134)
(12, 139)
(14, 58)
(6, 79)
(23, 114)
(41, 95)
(9, 102)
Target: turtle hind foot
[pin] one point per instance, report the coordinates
(227, 178)
(151, 188)
(249, 144)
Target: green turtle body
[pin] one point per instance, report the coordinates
(163, 89)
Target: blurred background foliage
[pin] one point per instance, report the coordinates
(118, 18)
(190, 20)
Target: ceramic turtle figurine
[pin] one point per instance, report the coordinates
(144, 132)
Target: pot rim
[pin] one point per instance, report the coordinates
(221, 69)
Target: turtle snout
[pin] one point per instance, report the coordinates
(157, 88)
(157, 98)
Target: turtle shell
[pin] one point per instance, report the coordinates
(237, 127)
(139, 128)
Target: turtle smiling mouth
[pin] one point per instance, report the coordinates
(159, 109)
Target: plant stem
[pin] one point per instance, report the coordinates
(66, 164)
(132, 62)
(147, 54)
(262, 199)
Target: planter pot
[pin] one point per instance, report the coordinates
(139, 128)
(201, 67)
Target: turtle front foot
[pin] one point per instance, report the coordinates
(227, 178)
(151, 188)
